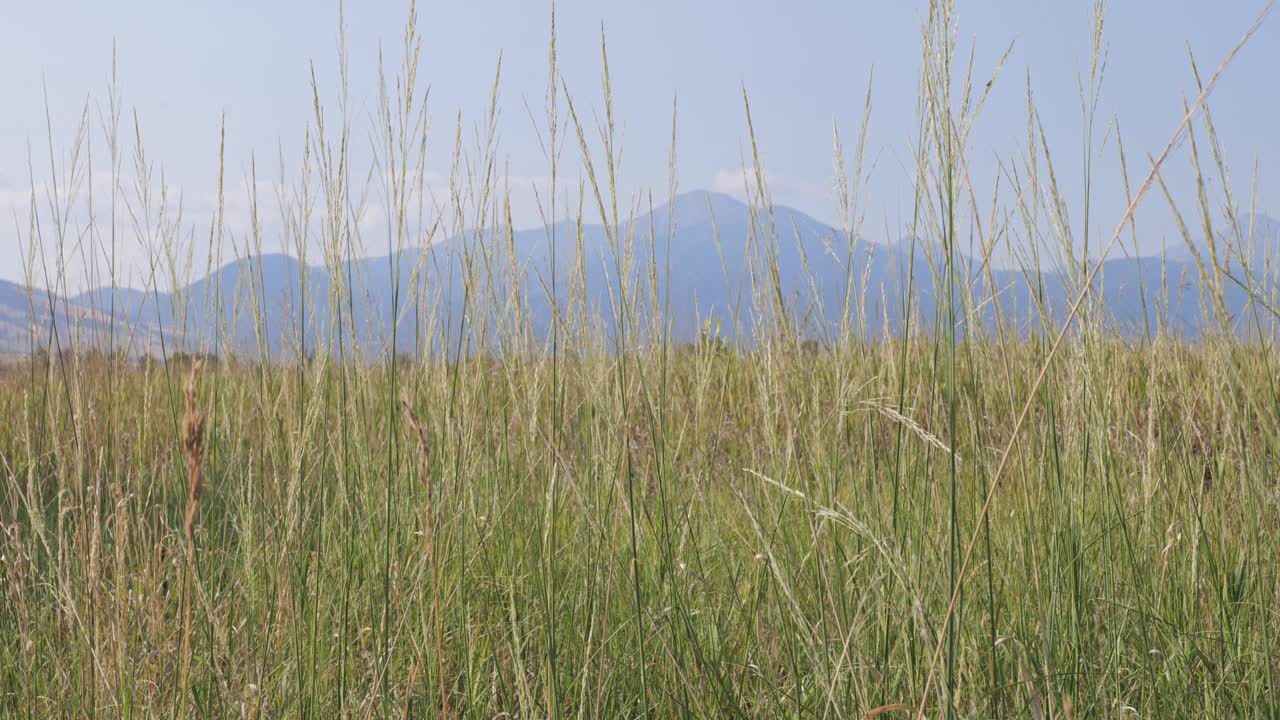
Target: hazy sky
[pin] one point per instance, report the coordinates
(805, 65)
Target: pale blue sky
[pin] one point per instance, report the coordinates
(804, 64)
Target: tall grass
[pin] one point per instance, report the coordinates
(550, 507)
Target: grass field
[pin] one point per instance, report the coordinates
(1059, 523)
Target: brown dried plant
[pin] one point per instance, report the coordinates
(193, 453)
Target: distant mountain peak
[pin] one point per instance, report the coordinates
(698, 208)
(276, 303)
(700, 202)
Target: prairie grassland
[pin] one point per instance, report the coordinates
(1052, 523)
(1128, 558)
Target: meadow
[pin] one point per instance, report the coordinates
(602, 520)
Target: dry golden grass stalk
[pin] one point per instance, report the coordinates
(193, 452)
(429, 541)
(424, 465)
(913, 426)
(416, 426)
(893, 707)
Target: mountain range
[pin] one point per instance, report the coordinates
(711, 251)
